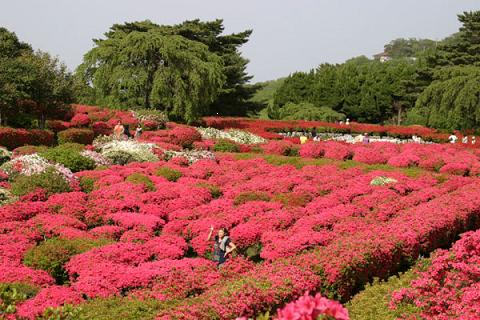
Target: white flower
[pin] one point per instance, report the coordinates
(238, 136)
(191, 155)
(123, 152)
(31, 164)
(98, 158)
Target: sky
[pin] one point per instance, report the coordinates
(288, 35)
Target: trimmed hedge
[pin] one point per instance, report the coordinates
(169, 173)
(13, 138)
(69, 155)
(226, 146)
(82, 136)
(50, 180)
(52, 255)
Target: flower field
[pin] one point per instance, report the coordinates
(129, 220)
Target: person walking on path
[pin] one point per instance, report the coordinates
(222, 246)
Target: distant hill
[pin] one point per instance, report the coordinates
(265, 95)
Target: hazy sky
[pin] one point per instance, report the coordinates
(287, 35)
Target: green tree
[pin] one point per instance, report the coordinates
(12, 73)
(32, 85)
(141, 65)
(452, 101)
(464, 47)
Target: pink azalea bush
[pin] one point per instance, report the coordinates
(311, 308)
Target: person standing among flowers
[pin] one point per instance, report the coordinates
(138, 132)
(223, 245)
(126, 132)
(118, 130)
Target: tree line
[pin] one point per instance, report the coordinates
(187, 71)
(421, 81)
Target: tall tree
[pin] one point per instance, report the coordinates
(141, 64)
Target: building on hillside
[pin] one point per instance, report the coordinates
(382, 57)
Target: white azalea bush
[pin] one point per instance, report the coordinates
(32, 164)
(6, 197)
(238, 136)
(191, 155)
(123, 152)
(382, 181)
(98, 158)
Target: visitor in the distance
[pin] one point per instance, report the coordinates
(138, 132)
(222, 246)
(314, 133)
(126, 132)
(453, 138)
(366, 138)
(118, 130)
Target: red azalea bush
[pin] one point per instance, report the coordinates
(13, 138)
(82, 136)
(311, 308)
(184, 136)
(80, 120)
(312, 150)
(57, 125)
(449, 288)
(101, 128)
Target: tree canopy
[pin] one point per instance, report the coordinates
(187, 70)
(33, 85)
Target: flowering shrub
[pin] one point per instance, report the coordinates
(226, 146)
(449, 288)
(80, 120)
(312, 308)
(123, 152)
(101, 128)
(69, 155)
(184, 136)
(33, 164)
(192, 156)
(13, 138)
(238, 136)
(82, 136)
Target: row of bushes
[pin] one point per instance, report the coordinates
(13, 138)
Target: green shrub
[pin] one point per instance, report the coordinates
(65, 312)
(292, 199)
(13, 293)
(372, 302)
(169, 173)
(52, 255)
(138, 178)
(50, 180)
(226, 146)
(21, 151)
(215, 190)
(87, 184)
(247, 196)
(69, 155)
(128, 308)
(82, 136)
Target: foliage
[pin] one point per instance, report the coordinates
(138, 178)
(362, 89)
(75, 135)
(168, 173)
(52, 254)
(69, 155)
(214, 190)
(13, 138)
(65, 312)
(452, 101)
(226, 146)
(307, 111)
(140, 64)
(123, 152)
(87, 184)
(129, 308)
(13, 293)
(50, 180)
(408, 48)
(373, 301)
(247, 196)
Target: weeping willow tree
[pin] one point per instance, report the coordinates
(452, 101)
(150, 69)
